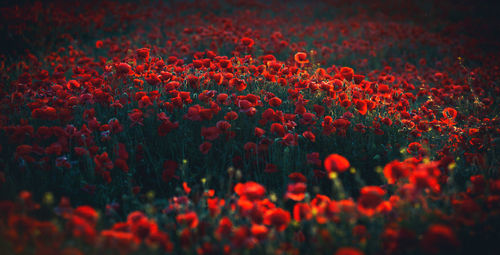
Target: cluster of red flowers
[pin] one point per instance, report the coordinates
(151, 110)
(250, 218)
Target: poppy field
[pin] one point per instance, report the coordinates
(249, 127)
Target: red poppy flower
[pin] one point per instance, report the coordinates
(450, 113)
(259, 231)
(336, 163)
(301, 58)
(290, 139)
(309, 135)
(123, 69)
(421, 179)
(210, 133)
(166, 127)
(371, 197)
(247, 42)
(308, 119)
(250, 190)
(103, 162)
(186, 188)
(259, 132)
(302, 211)
(319, 110)
(278, 129)
(278, 218)
(98, 44)
(414, 148)
(296, 191)
(440, 239)
(225, 227)
(275, 101)
(142, 53)
(244, 105)
(239, 84)
(396, 170)
(361, 107)
(205, 147)
(347, 73)
(190, 219)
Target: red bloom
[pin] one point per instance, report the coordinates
(347, 73)
(308, 119)
(193, 81)
(123, 69)
(205, 147)
(309, 135)
(278, 218)
(244, 105)
(250, 190)
(341, 123)
(136, 116)
(450, 113)
(296, 191)
(87, 213)
(186, 188)
(440, 239)
(302, 211)
(275, 101)
(190, 219)
(166, 127)
(232, 115)
(225, 227)
(239, 84)
(247, 42)
(414, 147)
(336, 163)
(142, 53)
(301, 58)
(259, 231)
(396, 170)
(319, 110)
(278, 129)
(103, 162)
(143, 228)
(98, 44)
(223, 125)
(386, 121)
(422, 179)
(290, 140)
(371, 197)
(259, 132)
(210, 133)
(361, 107)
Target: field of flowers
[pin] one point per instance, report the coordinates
(249, 127)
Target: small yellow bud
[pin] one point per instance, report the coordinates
(238, 174)
(150, 195)
(48, 198)
(452, 166)
(333, 175)
(273, 197)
